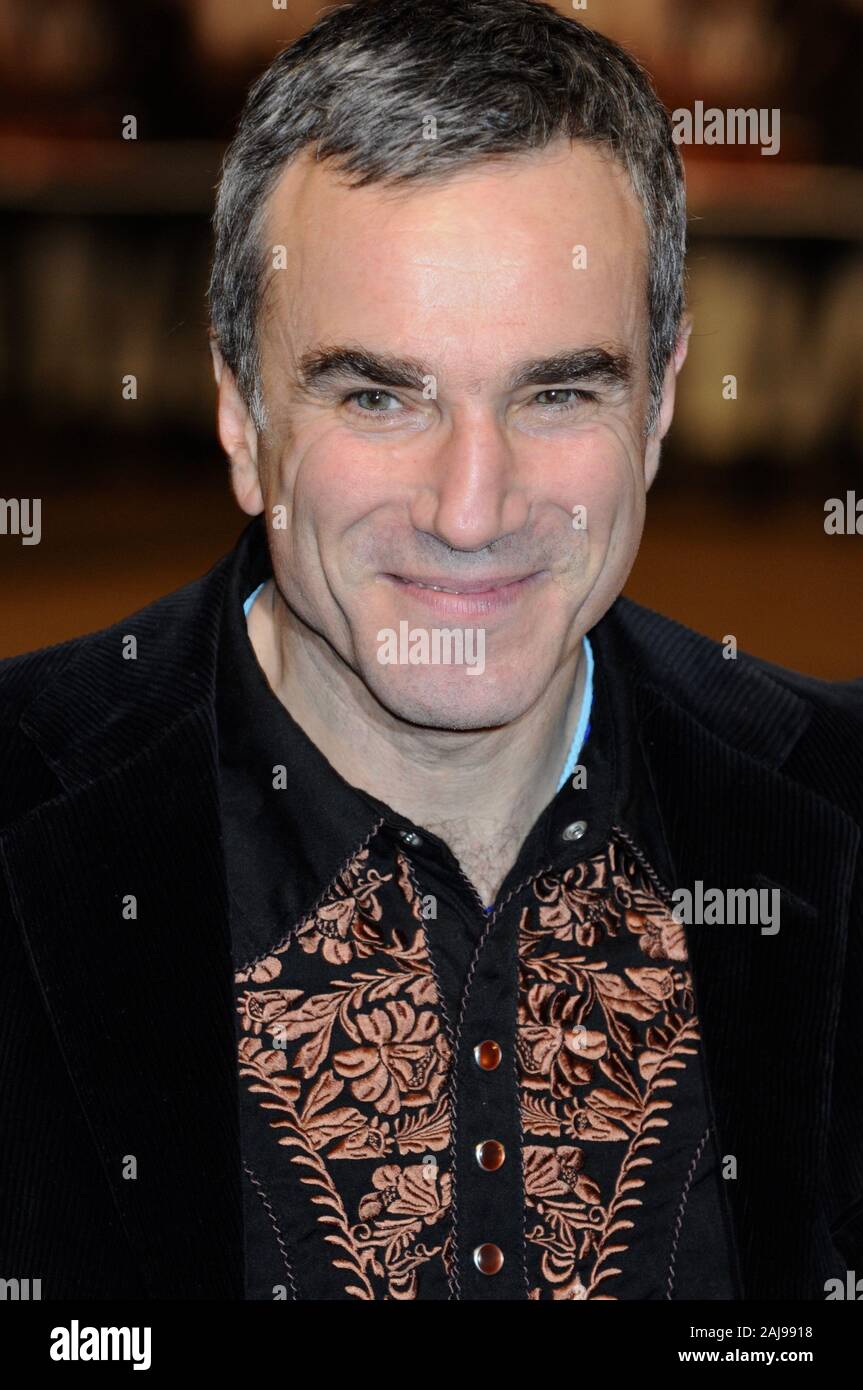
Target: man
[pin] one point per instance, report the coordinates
(346, 944)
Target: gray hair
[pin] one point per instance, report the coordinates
(500, 77)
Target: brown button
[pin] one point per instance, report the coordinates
(487, 1055)
(488, 1258)
(490, 1154)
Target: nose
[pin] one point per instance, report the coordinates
(470, 494)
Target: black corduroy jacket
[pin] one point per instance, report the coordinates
(117, 1035)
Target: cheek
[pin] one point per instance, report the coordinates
(597, 484)
(325, 488)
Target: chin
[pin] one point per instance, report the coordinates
(451, 699)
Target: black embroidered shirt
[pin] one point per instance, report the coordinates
(443, 1102)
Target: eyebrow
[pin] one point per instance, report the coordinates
(321, 367)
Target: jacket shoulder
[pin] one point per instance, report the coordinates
(809, 727)
(76, 682)
(659, 642)
(24, 675)
(841, 695)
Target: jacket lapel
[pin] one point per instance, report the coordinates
(119, 888)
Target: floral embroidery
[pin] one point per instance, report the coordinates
(597, 1049)
(344, 926)
(359, 1072)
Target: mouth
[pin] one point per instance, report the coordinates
(465, 597)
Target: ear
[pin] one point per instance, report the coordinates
(237, 435)
(666, 404)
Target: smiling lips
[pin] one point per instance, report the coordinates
(469, 597)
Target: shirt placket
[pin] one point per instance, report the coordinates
(489, 1259)
(488, 1189)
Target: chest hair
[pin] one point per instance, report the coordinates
(486, 851)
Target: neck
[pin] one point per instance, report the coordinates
(485, 786)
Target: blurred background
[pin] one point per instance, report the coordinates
(104, 252)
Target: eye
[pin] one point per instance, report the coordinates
(578, 397)
(370, 392)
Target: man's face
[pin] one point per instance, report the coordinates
(521, 502)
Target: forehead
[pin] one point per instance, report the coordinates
(552, 243)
